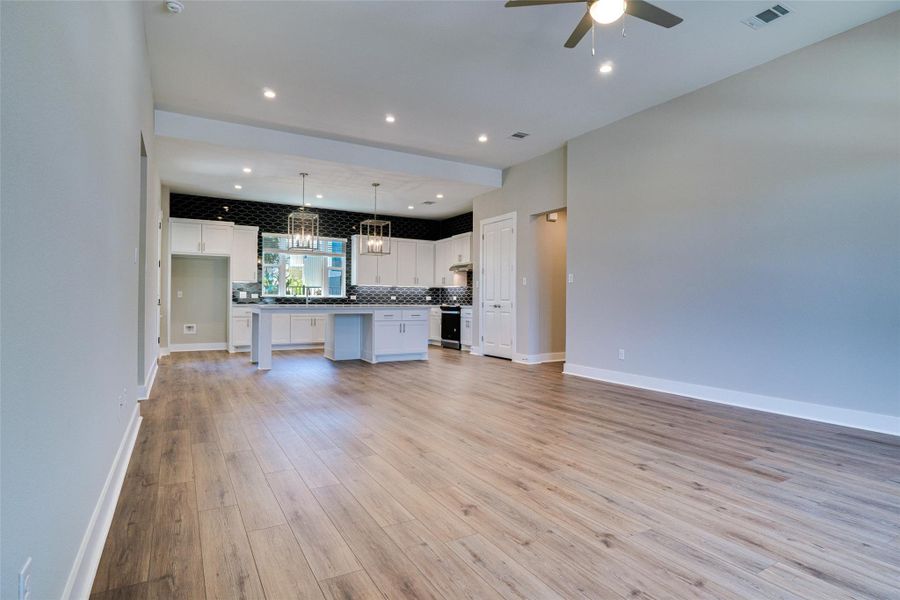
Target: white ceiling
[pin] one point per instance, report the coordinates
(213, 170)
(452, 70)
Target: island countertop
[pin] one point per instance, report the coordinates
(355, 309)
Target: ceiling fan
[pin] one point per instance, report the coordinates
(607, 11)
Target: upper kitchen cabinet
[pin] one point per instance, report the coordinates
(415, 263)
(188, 236)
(369, 269)
(448, 252)
(244, 265)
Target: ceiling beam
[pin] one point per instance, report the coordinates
(249, 137)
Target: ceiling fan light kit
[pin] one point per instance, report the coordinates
(605, 12)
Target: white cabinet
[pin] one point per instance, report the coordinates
(367, 269)
(461, 248)
(425, 264)
(449, 252)
(307, 329)
(240, 331)
(415, 263)
(400, 332)
(243, 254)
(434, 325)
(187, 236)
(281, 329)
(465, 334)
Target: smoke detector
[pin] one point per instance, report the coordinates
(767, 16)
(174, 6)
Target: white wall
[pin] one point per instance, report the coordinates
(76, 97)
(531, 188)
(747, 236)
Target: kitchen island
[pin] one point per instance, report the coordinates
(370, 332)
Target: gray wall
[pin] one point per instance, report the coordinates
(76, 98)
(747, 236)
(531, 188)
(206, 292)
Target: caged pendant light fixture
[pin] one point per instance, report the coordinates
(303, 226)
(375, 233)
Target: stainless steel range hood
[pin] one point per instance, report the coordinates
(461, 267)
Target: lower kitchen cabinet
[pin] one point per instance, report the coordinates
(434, 325)
(465, 334)
(398, 335)
(307, 329)
(281, 329)
(240, 331)
(286, 329)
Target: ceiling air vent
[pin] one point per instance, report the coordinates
(767, 16)
(429, 202)
(519, 135)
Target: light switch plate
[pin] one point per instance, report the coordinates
(179, 293)
(571, 277)
(242, 294)
(353, 296)
(254, 295)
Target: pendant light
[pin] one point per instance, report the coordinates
(375, 233)
(303, 226)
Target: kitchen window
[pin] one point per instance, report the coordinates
(318, 275)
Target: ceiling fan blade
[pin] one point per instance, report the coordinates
(584, 25)
(515, 3)
(651, 13)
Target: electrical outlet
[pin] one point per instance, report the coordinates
(25, 580)
(393, 297)
(524, 281)
(427, 298)
(621, 353)
(571, 277)
(353, 296)
(179, 294)
(254, 295)
(242, 295)
(454, 298)
(190, 328)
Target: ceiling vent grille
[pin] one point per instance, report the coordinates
(519, 135)
(767, 16)
(429, 202)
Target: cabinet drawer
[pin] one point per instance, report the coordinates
(387, 315)
(415, 315)
(466, 313)
(240, 312)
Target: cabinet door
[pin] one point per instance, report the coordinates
(465, 251)
(281, 329)
(415, 337)
(317, 329)
(388, 337)
(387, 266)
(301, 329)
(457, 244)
(243, 255)
(364, 268)
(186, 238)
(442, 255)
(425, 264)
(406, 263)
(240, 331)
(434, 327)
(217, 239)
(465, 336)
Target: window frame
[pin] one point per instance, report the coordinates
(283, 266)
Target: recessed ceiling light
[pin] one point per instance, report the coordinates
(606, 68)
(390, 118)
(238, 186)
(319, 196)
(482, 138)
(439, 196)
(247, 170)
(269, 93)
(410, 207)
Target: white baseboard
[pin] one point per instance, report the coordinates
(782, 406)
(536, 359)
(197, 347)
(144, 390)
(163, 351)
(476, 350)
(81, 577)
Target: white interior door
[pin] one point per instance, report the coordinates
(498, 255)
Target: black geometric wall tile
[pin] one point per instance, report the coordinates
(272, 218)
